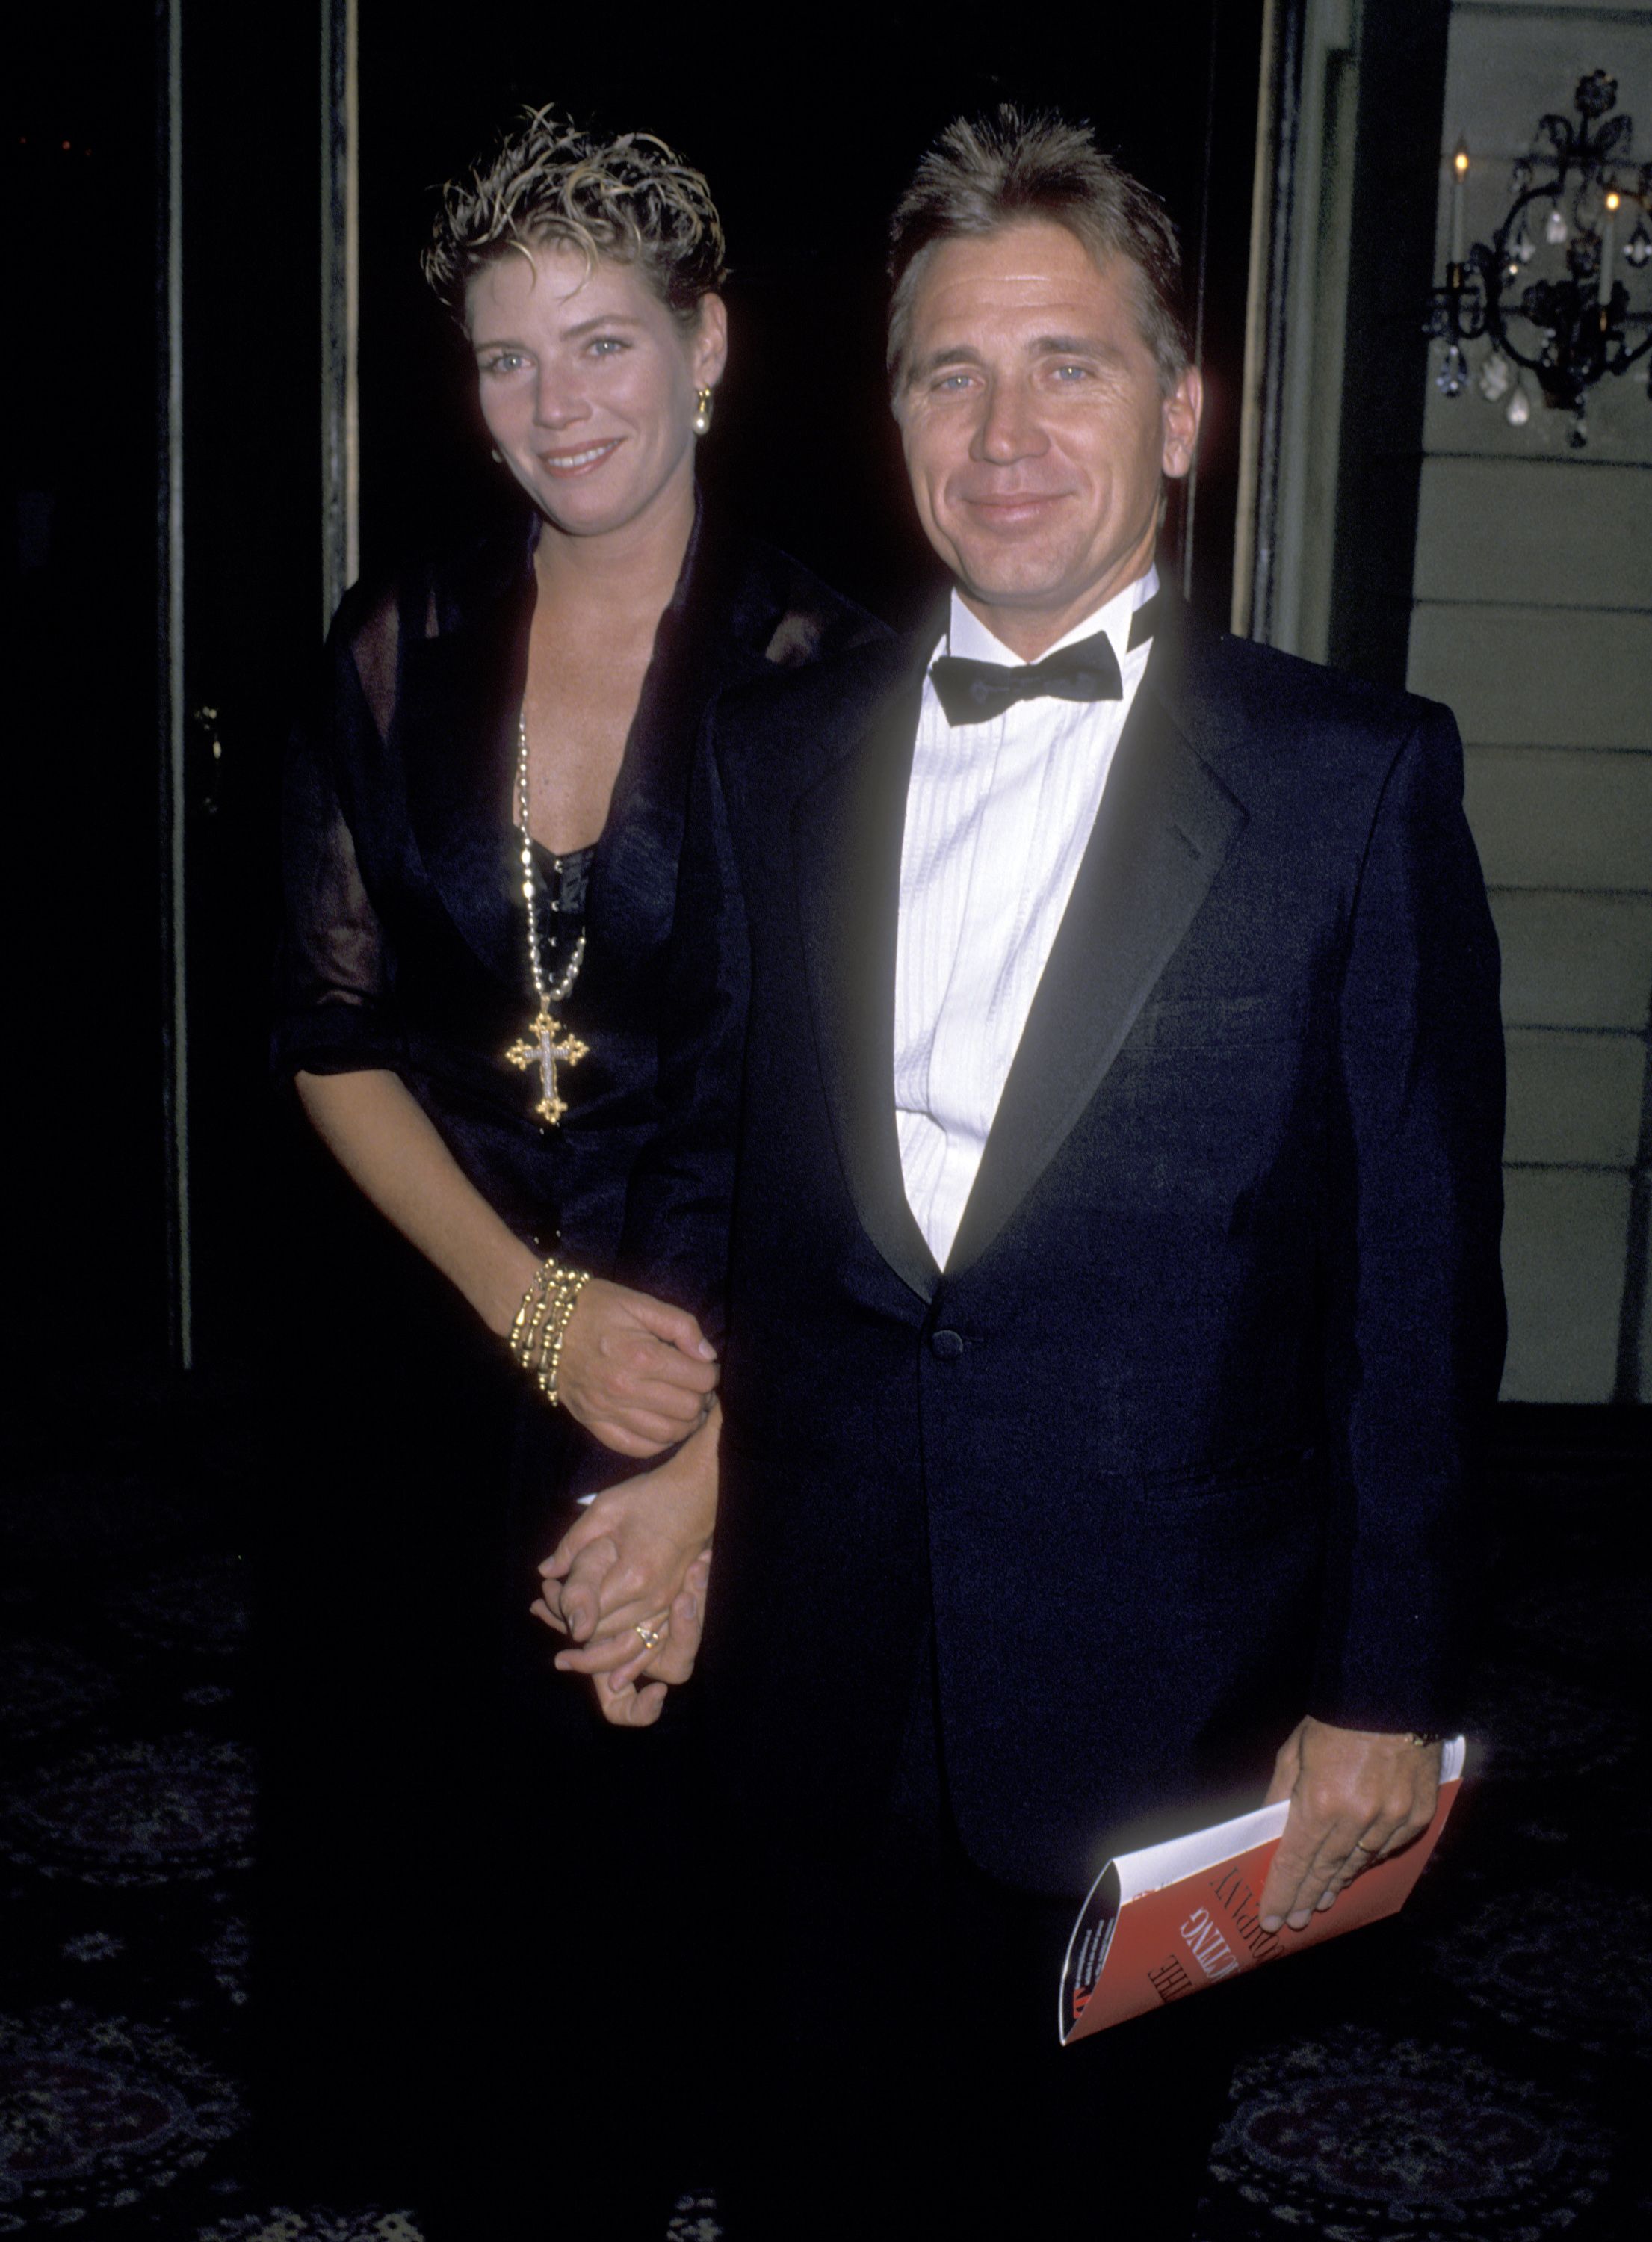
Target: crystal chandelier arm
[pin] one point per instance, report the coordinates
(1494, 271)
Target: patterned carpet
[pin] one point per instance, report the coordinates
(1476, 2072)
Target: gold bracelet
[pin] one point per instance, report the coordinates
(572, 1283)
(541, 1322)
(524, 1338)
(516, 1337)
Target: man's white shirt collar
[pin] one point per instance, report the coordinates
(967, 634)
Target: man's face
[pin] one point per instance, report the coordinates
(1035, 427)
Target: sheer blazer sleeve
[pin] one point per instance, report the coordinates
(335, 1007)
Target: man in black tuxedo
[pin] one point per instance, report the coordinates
(1115, 1199)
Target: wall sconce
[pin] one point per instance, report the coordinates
(1573, 201)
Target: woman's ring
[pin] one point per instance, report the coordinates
(651, 1635)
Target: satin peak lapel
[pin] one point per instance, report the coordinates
(1165, 826)
(845, 837)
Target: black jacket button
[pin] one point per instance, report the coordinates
(945, 1345)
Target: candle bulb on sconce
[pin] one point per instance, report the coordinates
(1458, 174)
(1609, 248)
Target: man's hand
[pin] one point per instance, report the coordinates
(632, 1694)
(626, 1582)
(626, 1556)
(633, 1666)
(637, 1373)
(1354, 1799)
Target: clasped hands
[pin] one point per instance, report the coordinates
(1355, 1797)
(626, 1584)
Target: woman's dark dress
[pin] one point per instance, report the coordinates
(455, 1968)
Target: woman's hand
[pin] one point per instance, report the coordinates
(616, 1577)
(635, 1372)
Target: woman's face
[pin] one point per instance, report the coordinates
(587, 384)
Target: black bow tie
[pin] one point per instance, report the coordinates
(972, 692)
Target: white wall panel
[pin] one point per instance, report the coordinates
(1534, 677)
(1543, 818)
(1574, 1099)
(1502, 72)
(1564, 1231)
(1574, 961)
(1517, 531)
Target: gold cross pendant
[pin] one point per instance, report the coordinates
(545, 1043)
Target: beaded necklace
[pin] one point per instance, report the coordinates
(547, 1043)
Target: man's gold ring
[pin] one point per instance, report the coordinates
(651, 1635)
(1360, 1846)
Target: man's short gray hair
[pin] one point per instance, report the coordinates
(988, 172)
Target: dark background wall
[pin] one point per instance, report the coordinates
(806, 146)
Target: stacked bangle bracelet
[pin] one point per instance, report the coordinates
(541, 1322)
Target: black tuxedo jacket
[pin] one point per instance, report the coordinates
(1171, 1450)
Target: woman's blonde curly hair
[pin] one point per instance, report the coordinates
(630, 199)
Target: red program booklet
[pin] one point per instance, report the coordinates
(1173, 1918)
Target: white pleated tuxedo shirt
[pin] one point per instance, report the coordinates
(998, 818)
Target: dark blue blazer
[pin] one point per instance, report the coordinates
(1172, 1450)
